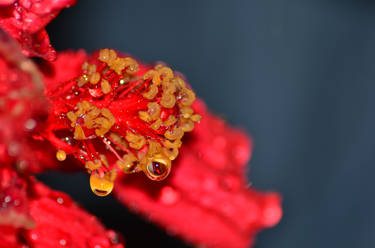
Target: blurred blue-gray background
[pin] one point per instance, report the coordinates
(298, 75)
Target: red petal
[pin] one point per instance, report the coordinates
(25, 20)
(206, 200)
(57, 220)
(22, 106)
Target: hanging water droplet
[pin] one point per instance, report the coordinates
(101, 185)
(159, 168)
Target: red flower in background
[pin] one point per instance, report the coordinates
(109, 113)
(25, 20)
(32, 215)
(206, 199)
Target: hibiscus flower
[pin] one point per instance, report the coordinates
(136, 128)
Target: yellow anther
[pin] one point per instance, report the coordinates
(107, 114)
(186, 112)
(72, 117)
(128, 163)
(144, 116)
(179, 82)
(175, 144)
(91, 119)
(107, 55)
(60, 155)
(153, 148)
(94, 78)
(169, 87)
(135, 141)
(170, 121)
(187, 125)
(154, 75)
(196, 118)
(174, 134)
(85, 66)
(103, 125)
(104, 55)
(153, 110)
(156, 125)
(106, 87)
(118, 65)
(131, 65)
(93, 165)
(151, 93)
(166, 73)
(188, 97)
(83, 106)
(91, 69)
(78, 133)
(167, 100)
(118, 139)
(171, 153)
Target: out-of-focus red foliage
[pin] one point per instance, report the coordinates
(22, 110)
(206, 200)
(25, 20)
(32, 215)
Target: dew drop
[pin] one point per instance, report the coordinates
(60, 200)
(159, 168)
(169, 195)
(100, 185)
(13, 149)
(30, 124)
(7, 199)
(62, 242)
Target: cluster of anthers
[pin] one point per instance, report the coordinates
(117, 115)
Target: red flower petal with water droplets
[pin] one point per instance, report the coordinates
(113, 113)
(206, 200)
(25, 20)
(207, 182)
(32, 215)
(22, 110)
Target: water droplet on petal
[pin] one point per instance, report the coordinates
(169, 195)
(30, 124)
(60, 200)
(62, 242)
